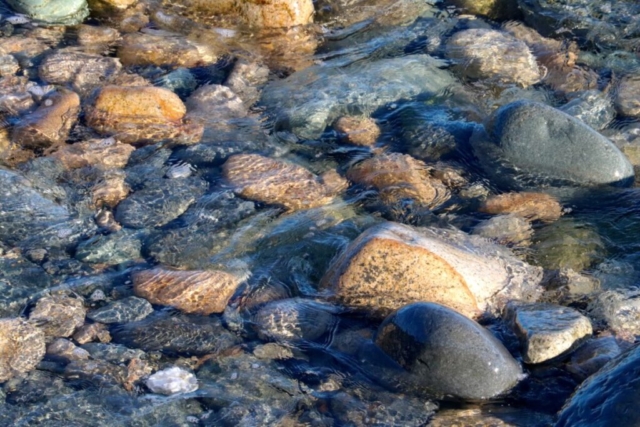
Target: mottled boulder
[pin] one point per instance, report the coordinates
(58, 315)
(527, 144)
(391, 265)
(447, 354)
(22, 347)
(50, 123)
(65, 12)
(162, 50)
(280, 183)
(130, 309)
(198, 292)
(480, 54)
(531, 206)
(102, 153)
(547, 330)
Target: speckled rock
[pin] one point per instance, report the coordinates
(8, 65)
(547, 330)
(126, 310)
(398, 177)
(481, 54)
(111, 249)
(280, 183)
(357, 130)
(91, 331)
(277, 13)
(446, 353)
(22, 347)
(110, 190)
(172, 380)
(590, 357)
(391, 265)
(65, 12)
(97, 39)
(65, 349)
(19, 279)
(112, 353)
(608, 397)
(506, 230)
(531, 206)
(58, 315)
(198, 292)
(619, 310)
(162, 50)
(627, 98)
(101, 153)
(50, 123)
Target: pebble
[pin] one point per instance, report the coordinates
(198, 292)
(22, 347)
(130, 309)
(447, 354)
(172, 380)
(547, 330)
(58, 315)
(531, 206)
(391, 265)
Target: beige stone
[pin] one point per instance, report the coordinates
(50, 124)
(280, 183)
(357, 130)
(481, 54)
(101, 153)
(399, 176)
(277, 13)
(506, 230)
(82, 71)
(199, 292)
(162, 50)
(59, 315)
(627, 98)
(531, 206)
(96, 39)
(391, 265)
(22, 347)
(92, 331)
(110, 190)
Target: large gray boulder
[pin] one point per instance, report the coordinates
(526, 144)
(447, 354)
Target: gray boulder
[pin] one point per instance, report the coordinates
(527, 144)
(446, 353)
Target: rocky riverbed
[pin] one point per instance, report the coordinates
(319, 213)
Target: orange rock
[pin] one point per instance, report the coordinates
(531, 206)
(50, 123)
(279, 183)
(363, 131)
(22, 347)
(391, 265)
(199, 292)
(399, 176)
(277, 13)
(104, 154)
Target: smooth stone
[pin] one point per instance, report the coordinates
(506, 230)
(172, 380)
(607, 398)
(130, 309)
(547, 330)
(531, 206)
(22, 347)
(164, 50)
(593, 107)
(447, 354)
(529, 144)
(590, 357)
(65, 12)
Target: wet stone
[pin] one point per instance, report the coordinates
(97, 39)
(447, 354)
(112, 353)
(8, 65)
(547, 330)
(590, 357)
(627, 99)
(565, 286)
(58, 315)
(181, 81)
(593, 107)
(130, 309)
(172, 380)
(111, 249)
(357, 130)
(277, 13)
(61, 348)
(498, 10)
(619, 310)
(531, 206)
(506, 230)
(103, 153)
(65, 12)
(246, 79)
(96, 371)
(19, 279)
(92, 331)
(22, 347)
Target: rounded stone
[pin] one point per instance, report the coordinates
(59, 315)
(447, 354)
(22, 347)
(67, 12)
(173, 380)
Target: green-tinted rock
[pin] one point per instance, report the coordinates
(67, 12)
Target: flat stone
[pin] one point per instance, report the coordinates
(172, 380)
(198, 292)
(126, 310)
(59, 315)
(391, 265)
(531, 206)
(447, 354)
(22, 347)
(547, 330)
(101, 153)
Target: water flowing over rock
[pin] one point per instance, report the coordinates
(125, 310)
(103, 153)
(391, 265)
(64, 12)
(447, 354)
(531, 206)
(628, 96)
(22, 347)
(529, 144)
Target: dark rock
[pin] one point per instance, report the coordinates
(111, 249)
(590, 357)
(531, 144)
(19, 280)
(447, 354)
(126, 310)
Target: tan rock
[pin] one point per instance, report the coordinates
(279, 183)
(101, 153)
(391, 265)
(136, 369)
(116, 4)
(199, 292)
(357, 130)
(96, 39)
(162, 50)
(133, 19)
(8, 65)
(58, 315)
(399, 176)
(92, 331)
(531, 206)
(509, 230)
(22, 47)
(22, 347)
(627, 98)
(481, 54)
(493, 9)
(65, 349)
(110, 190)
(50, 124)
(277, 13)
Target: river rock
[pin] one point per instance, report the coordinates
(101, 153)
(22, 347)
(172, 380)
(130, 309)
(58, 315)
(198, 292)
(530, 206)
(547, 330)
(566, 286)
(619, 310)
(61, 348)
(9, 66)
(331, 91)
(214, 104)
(593, 107)
(57, 12)
(111, 249)
(112, 353)
(608, 397)
(590, 357)
(481, 54)
(493, 9)
(280, 183)
(446, 353)
(506, 230)
(246, 80)
(529, 143)
(627, 96)
(277, 13)
(97, 40)
(50, 123)
(357, 130)
(19, 279)
(391, 265)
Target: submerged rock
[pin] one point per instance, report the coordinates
(102, 153)
(493, 9)
(172, 380)
(126, 310)
(593, 107)
(357, 130)
(627, 98)
(22, 347)
(619, 310)
(391, 265)
(531, 206)
(446, 354)
(65, 12)
(59, 315)
(590, 357)
(506, 230)
(528, 143)
(277, 13)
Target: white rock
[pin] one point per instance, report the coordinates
(172, 381)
